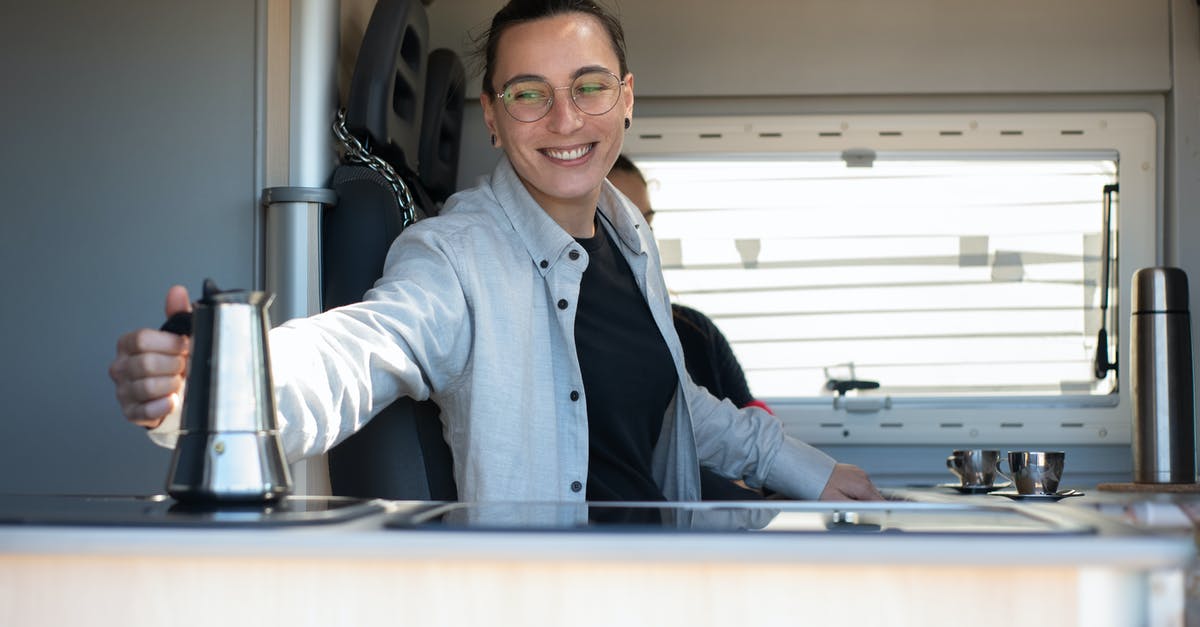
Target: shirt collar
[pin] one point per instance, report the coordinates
(543, 238)
(626, 219)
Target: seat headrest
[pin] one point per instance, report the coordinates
(441, 130)
(384, 104)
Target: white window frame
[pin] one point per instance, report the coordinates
(954, 421)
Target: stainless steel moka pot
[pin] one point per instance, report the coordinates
(229, 447)
(1164, 419)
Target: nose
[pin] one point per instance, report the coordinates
(564, 117)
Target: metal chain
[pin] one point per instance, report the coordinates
(355, 152)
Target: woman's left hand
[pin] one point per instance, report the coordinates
(850, 483)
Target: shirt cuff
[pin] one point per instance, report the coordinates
(799, 470)
(167, 431)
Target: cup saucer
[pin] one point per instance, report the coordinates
(975, 489)
(1017, 496)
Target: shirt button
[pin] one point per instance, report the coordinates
(576, 486)
(544, 264)
(562, 303)
(574, 254)
(574, 395)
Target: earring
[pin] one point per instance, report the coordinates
(493, 140)
(627, 123)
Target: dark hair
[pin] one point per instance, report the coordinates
(623, 164)
(521, 11)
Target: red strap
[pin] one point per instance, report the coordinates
(761, 405)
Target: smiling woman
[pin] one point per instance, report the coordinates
(561, 148)
(532, 310)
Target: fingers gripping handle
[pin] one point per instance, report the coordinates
(179, 323)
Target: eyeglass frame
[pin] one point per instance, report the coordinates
(553, 90)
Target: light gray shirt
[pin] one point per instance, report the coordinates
(476, 311)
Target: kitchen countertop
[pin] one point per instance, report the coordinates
(924, 529)
(930, 559)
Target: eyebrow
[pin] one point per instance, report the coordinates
(587, 69)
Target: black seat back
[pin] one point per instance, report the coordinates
(384, 106)
(406, 107)
(441, 131)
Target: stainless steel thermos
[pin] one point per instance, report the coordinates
(228, 447)
(1164, 420)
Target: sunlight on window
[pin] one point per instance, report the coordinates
(977, 276)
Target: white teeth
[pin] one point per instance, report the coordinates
(568, 155)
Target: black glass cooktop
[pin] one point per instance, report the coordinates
(786, 517)
(164, 511)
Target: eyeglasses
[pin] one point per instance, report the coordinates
(530, 99)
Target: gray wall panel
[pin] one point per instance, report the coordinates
(128, 165)
(841, 47)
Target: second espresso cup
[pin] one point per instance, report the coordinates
(1036, 472)
(975, 468)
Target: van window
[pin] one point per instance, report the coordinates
(953, 273)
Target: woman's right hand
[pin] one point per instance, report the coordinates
(151, 366)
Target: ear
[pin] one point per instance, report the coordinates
(488, 105)
(629, 95)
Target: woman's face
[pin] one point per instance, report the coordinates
(563, 157)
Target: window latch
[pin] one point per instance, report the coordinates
(857, 404)
(841, 386)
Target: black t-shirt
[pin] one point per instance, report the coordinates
(628, 375)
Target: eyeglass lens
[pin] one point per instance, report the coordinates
(529, 100)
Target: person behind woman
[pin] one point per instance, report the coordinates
(706, 353)
(532, 310)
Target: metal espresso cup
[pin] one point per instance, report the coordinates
(1036, 472)
(975, 468)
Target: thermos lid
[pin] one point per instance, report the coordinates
(1160, 289)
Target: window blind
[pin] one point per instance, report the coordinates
(938, 275)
